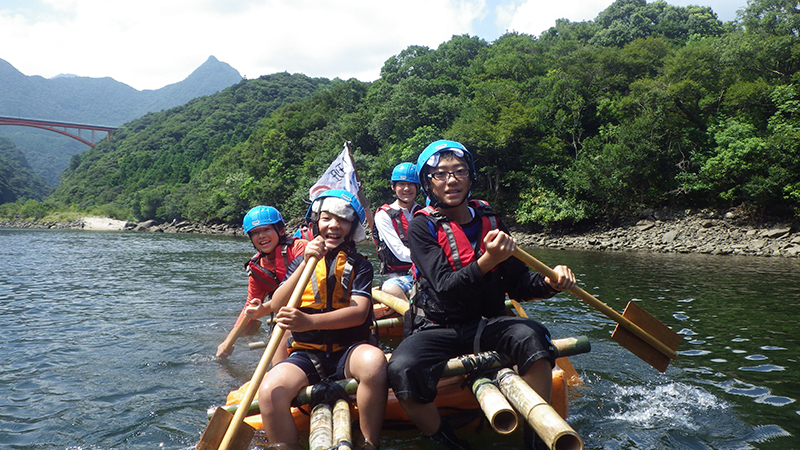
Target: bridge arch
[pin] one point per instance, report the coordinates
(60, 127)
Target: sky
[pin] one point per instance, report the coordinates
(148, 44)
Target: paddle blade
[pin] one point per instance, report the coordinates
(653, 327)
(216, 429)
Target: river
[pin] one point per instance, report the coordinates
(108, 342)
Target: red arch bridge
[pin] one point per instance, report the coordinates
(73, 130)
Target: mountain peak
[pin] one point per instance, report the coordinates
(215, 67)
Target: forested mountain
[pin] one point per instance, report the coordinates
(95, 101)
(157, 166)
(649, 105)
(17, 180)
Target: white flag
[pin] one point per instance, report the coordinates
(340, 175)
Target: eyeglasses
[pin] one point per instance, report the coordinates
(460, 174)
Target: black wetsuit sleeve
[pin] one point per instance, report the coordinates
(432, 263)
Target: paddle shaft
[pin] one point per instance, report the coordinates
(538, 266)
(266, 358)
(237, 332)
(396, 303)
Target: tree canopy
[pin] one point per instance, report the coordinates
(649, 105)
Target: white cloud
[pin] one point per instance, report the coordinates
(536, 16)
(151, 43)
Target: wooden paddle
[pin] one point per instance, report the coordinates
(641, 333)
(233, 439)
(396, 303)
(236, 333)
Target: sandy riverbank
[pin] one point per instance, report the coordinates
(102, 223)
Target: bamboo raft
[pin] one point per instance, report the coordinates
(505, 398)
(637, 330)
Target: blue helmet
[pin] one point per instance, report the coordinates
(405, 172)
(432, 150)
(260, 216)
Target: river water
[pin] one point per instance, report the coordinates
(108, 342)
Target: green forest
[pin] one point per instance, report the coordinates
(646, 106)
(17, 180)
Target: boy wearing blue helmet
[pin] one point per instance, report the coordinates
(266, 269)
(462, 253)
(391, 231)
(330, 330)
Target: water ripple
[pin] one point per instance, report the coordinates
(763, 368)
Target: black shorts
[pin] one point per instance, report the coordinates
(417, 363)
(332, 364)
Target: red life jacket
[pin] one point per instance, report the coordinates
(451, 236)
(304, 232)
(267, 278)
(389, 262)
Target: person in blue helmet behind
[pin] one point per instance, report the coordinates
(391, 231)
(462, 254)
(266, 269)
(330, 330)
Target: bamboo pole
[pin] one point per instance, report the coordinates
(570, 346)
(320, 436)
(495, 406)
(397, 304)
(546, 422)
(342, 434)
(455, 366)
(391, 322)
(263, 364)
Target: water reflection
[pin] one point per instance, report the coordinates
(110, 341)
(736, 335)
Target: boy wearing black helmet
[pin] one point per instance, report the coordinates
(462, 254)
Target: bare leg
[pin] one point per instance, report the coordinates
(280, 386)
(367, 364)
(393, 289)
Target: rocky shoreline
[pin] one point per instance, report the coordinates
(664, 231)
(661, 231)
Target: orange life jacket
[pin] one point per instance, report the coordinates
(327, 291)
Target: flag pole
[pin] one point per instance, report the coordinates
(361, 197)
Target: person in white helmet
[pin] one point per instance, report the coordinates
(330, 330)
